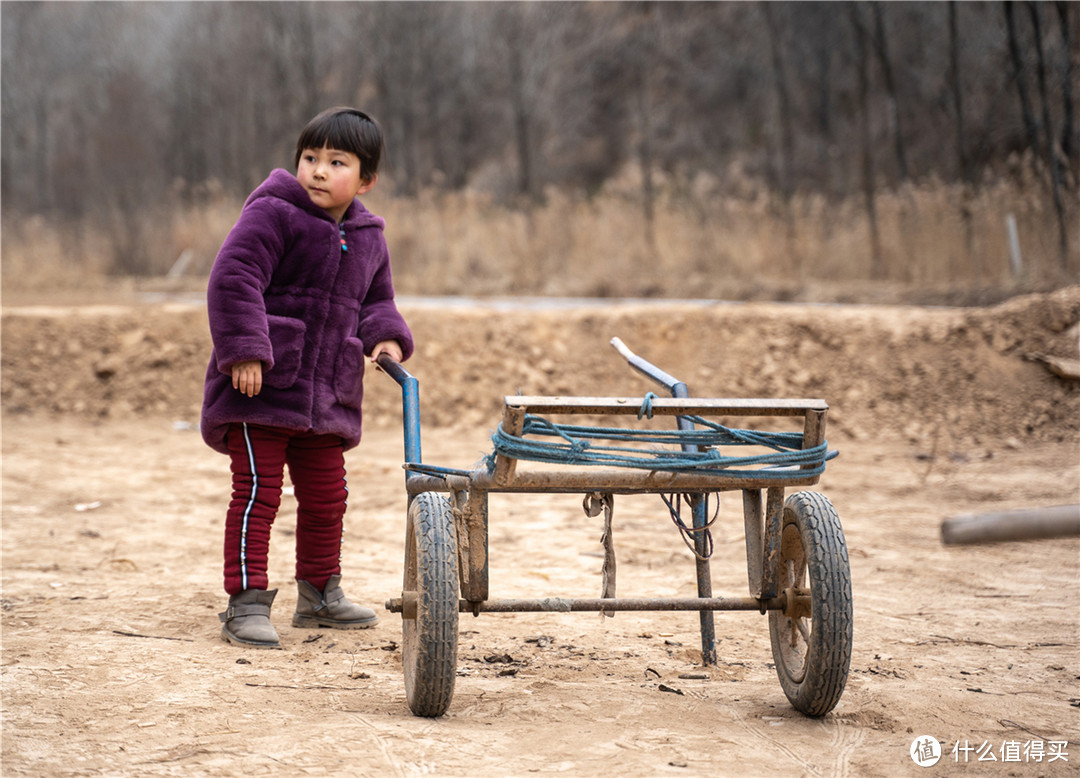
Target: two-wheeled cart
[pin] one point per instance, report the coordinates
(797, 561)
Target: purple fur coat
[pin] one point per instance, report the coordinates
(283, 291)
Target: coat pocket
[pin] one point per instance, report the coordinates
(287, 340)
(349, 375)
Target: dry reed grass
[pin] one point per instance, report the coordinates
(742, 243)
(704, 244)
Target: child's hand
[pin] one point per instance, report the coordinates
(389, 347)
(247, 377)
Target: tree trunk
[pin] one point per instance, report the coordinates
(958, 102)
(1017, 75)
(645, 160)
(644, 62)
(862, 65)
(787, 142)
(1048, 135)
(961, 155)
(823, 113)
(520, 108)
(783, 99)
(1068, 128)
(881, 46)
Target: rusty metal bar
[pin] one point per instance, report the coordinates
(567, 605)
(774, 517)
(513, 423)
(473, 558)
(813, 431)
(698, 509)
(752, 521)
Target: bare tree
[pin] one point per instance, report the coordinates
(869, 188)
(881, 47)
(957, 94)
(515, 97)
(1052, 161)
(1017, 76)
(783, 100)
(644, 44)
(1068, 126)
(398, 73)
(817, 49)
(520, 106)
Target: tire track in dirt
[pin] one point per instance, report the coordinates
(845, 742)
(381, 741)
(777, 745)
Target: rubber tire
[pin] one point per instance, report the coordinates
(429, 641)
(813, 673)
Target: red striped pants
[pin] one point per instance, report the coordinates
(317, 471)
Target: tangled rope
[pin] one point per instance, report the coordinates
(691, 450)
(689, 533)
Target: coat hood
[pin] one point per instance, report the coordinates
(282, 184)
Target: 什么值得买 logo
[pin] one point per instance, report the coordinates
(925, 750)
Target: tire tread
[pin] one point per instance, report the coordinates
(430, 681)
(829, 570)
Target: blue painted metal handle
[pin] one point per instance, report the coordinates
(649, 370)
(677, 388)
(410, 406)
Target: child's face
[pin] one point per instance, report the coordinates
(332, 179)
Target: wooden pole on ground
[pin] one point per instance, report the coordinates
(1059, 521)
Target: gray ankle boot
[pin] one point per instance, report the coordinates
(329, 608)
(247, 619)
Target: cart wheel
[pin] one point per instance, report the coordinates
(812, 646)
(429, 624)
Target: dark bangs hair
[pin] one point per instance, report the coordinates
(344, 129)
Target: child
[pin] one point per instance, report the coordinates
(299, 294)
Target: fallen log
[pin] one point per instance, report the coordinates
(1059, 521)
(1059, 366)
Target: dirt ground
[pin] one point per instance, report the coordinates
(112, 662)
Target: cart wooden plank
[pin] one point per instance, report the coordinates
(667, 406)
(616, 481)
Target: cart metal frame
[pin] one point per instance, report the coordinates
(777, 533)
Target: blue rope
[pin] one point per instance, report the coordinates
(646, 406)
(577, 447)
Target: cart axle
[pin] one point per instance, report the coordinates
(407, 605)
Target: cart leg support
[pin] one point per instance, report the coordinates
(704, 579)
(774, 516)
(752, 523)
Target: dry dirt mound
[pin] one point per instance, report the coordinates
(948, 376)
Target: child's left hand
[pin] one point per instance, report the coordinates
(390, 347)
